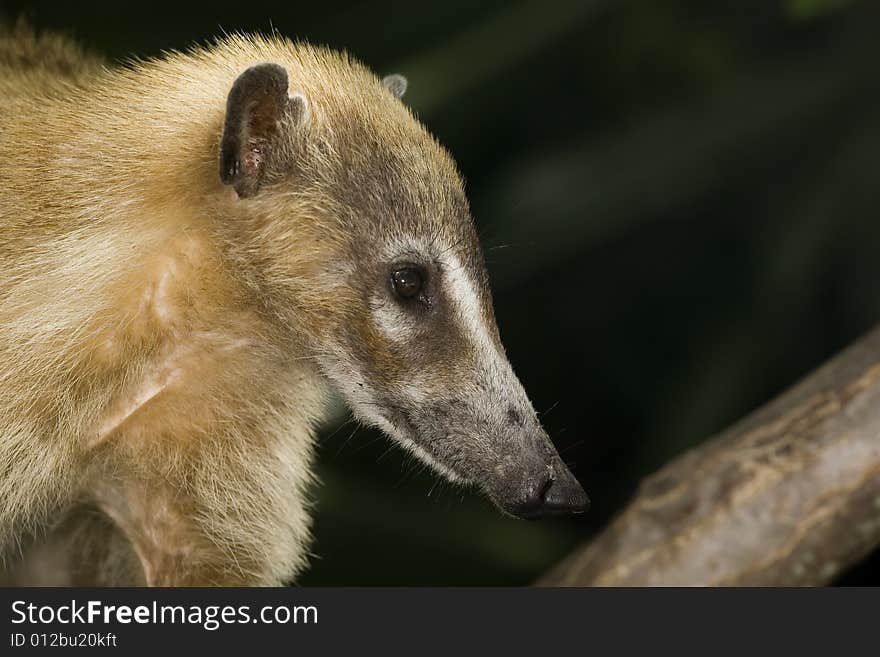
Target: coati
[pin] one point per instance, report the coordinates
(195, 250)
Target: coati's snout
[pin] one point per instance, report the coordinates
(392, 297)
(492, 440)
(423, 360)
(549, 490)
(420, 357)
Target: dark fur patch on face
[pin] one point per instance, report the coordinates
(431, 343)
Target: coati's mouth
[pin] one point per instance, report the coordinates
(406, 433)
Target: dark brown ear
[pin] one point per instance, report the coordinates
(256, 107)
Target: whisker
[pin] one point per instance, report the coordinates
(572, 446)
(385, 453)
(367, 444)
(346, 441)
(552, 406)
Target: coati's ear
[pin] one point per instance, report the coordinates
(396, 84)
(256, 107)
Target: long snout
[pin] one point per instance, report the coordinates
(491, 438)
(549, 491)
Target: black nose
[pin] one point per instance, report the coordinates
(551, 494)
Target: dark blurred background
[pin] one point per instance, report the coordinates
(678, 204)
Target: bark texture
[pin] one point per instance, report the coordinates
(788, 496)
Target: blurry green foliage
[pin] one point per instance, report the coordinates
(807, 9)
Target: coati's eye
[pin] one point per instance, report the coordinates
(407, 281)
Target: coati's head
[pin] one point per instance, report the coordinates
(363, 242)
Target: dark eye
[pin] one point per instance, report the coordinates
(407, 281)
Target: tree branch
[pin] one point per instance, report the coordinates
(788, 496)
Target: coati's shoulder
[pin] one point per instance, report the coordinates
(32, 62)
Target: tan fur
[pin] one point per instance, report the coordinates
(166, 339)
(144, 369)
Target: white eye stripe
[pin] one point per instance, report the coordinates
(399, 325)
(463, 294)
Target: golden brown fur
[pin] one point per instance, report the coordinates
(166, 339)
(40, 63)
(116, 271)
